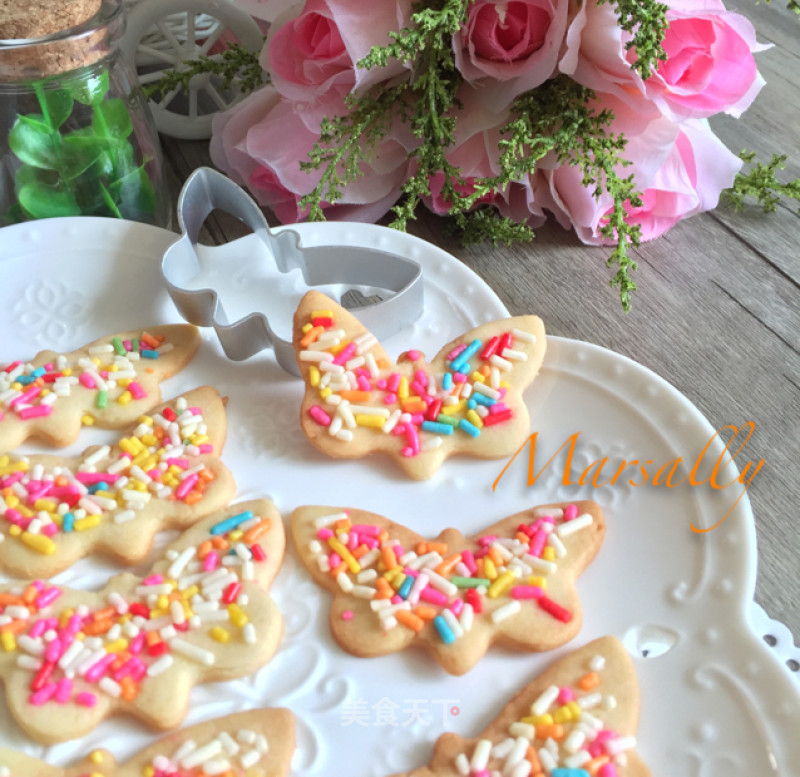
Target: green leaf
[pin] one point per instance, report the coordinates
(58, 105)
(111, 118)
(40, 201)
(79, 154)
(90, 90)
(34, 142)
(134, 193)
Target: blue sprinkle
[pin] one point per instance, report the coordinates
(469, 428)
(95, 487)
(230, 523)
(471, 404)
(560, 772)
(482, 399)
(38, 372)
(436, 427)
(67, 524)
(461, 361)
(406, 587)
(447, 381)
(445, 632)
(149, 354)
(24, 379)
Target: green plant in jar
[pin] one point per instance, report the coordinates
(91, 171)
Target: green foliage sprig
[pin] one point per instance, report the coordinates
(87, 171)
(646, 21)
(234, 63)
(761, 184)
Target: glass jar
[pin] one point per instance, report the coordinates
(76, 134)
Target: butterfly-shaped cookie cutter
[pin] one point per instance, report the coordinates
(205, 190)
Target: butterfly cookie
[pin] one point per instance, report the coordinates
(511, 584)
(256, 743)
(107, 383)
(203, 613)
(576, 719)
(163, 473)
(468, 400)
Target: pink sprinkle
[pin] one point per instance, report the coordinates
(206, 447)
(210, 561)
(92, 478)
(565, 695)
(497, 407)
(63, 690)
(605, 735)
(608, 770)
(363, 384)
(487, 540)
(47, 597)
(39, 585)
(127, 345)
(74, 624)
(421, 389)
(399, 430)
(53, 651)
(396, 599)
(459, 378)
(414, 355)
(393, 382)
(186, 486)
(153, 580)
(482, 773)
(86, 699)
(526, 592)
(49, 530)
(457, 350)
(43, 695)
(137, 392)
(417, 418)
(38, 411)
(347, 615)
(325, 534)
(334, 559)
(412, 438)
(570, 512)
(14, 477)
(457, 606)
(319, 415)
(38, 629)
(352, 541)
(345, 354)
(13, 516)
(137, 644)
(432, 596)
(87, 380)
(408, 571)
(538, 543)
(370, 542)
(469, 561)
(182, 463)
(97, 670)
(364, 528)
(389, 399)
(123, 671)
(381, 384)
(139, 669)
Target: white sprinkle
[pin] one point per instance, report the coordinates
(480, 756)
(506, 611)
(576, 524)
(194, 652)
(545, 699)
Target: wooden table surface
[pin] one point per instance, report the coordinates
(717, 313)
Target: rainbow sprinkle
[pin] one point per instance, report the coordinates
(361, 391)
(75, 654)
(109, 371)
(158, 460)
(410, 587)
(560, 737)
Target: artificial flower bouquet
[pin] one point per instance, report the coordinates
(498, 113)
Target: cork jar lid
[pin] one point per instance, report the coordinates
(21, 19)
(42, 38)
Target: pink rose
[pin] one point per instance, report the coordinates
(316, 52)
(709, 67)
(260, 143)
(513, 42)
(689, 181)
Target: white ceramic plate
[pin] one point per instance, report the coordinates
(714, 700)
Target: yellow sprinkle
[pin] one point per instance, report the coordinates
(398, 580)
(44, 392)
(14, 530)
(149, 439)
(576, 709)
(334, 349)
(198, 439)
(40, 543)
(170, 480)
(453, 409)
(148, 462)
(149, 771)
(162, 601)
(12, 501)
(325, 393)
(124, 382)
(16, 386)
(236, 535)
(67, 372)
(190, 592)
(307, 327)
(65, 616)
(501, 584)
(130, 445)
(26, 512)
(157, 613)
(145, 419)
(503, 384)
(549, 553)
(392, 573)
(402, 388)
(96, 774)
(321, 314)
(125, 618)
(489, 569)
(313, 376)
(540, 581)
(539, 720)
(346, 555)
(116, 646)
(220, 635)
(562, 715)
(106, 494)
(474, 419)
(87, 420)
(136, 485)
(96, 757)
(375, 421)
(477, 377)
(89, 522)
(9, 642)
(238, 617)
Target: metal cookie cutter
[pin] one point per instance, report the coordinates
(205, 190)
